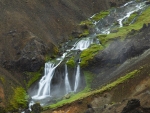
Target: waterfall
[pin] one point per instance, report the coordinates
(85, 43)
(77, 78)
(67, 84)
(103, 26)
(45, 82)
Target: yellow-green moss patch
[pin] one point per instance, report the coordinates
(88, 54)
(18, 99)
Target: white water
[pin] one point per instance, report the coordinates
(85, 43)
(45, 82)
(77, 79)
(117, 16)
(131, 11)
(67, 84)
(44, 89)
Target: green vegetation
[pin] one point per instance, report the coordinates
(103, 39)
(94, 18)
(88, 54)
(71, 62)
(47, 58)
(86, 92)
(88, 78)
(130, 19)
(2, 79)
(34, 76)
(85, 33)
(100, 15)
(19, 99)
(56, 50)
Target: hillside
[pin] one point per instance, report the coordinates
(32, 32)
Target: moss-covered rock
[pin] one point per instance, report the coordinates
(88, 54)
(33, 76)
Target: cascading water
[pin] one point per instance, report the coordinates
(77, 79)
(103, 26)
(67, 84)
(117, 16)
(45, 82)
(85, 43)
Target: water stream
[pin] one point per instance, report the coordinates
(67, 84)
(104, 26)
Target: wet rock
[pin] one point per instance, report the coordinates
(147, 3)
(131, 105)
(67, 96)
(36, 108)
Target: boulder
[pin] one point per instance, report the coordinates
(36, 108)
(131, 105)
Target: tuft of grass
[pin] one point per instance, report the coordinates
(19, 99)
(88, 54)
(86, 92)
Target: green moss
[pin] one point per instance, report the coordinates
(103, 39)
(34, 76)
(71, 62)
(89, 54)
(87, 92)
(86, 22)
(96, 17)
(130, 19)
(100, 15)
(85, 33)
(18, 99)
